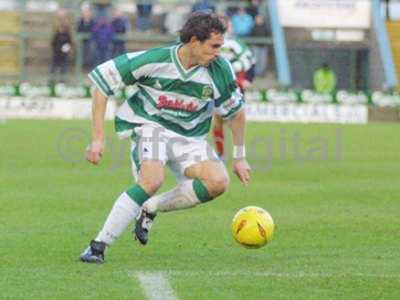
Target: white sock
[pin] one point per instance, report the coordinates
(180, 197)
(122, 213)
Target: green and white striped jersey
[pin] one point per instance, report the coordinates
(238, 54)
(180, 100)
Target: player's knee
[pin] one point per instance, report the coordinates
(217, 184)
(151, 176)
(151, 184)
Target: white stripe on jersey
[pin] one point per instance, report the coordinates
(170, 107)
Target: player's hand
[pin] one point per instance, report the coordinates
(94, 152)
(242, 170)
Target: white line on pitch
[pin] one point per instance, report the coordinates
(155, 286)
(276, 274)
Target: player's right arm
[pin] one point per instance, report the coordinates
(95, 149)
(109, 78)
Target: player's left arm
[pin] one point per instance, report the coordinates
(229, 105)
(240, 165)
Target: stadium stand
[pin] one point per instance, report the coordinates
(10, 26)
(28, 36)
(394, 36)
(39, 26)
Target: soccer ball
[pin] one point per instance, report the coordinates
(252, 227)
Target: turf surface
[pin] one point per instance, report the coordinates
(333, 191)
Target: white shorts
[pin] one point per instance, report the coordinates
(153, 142)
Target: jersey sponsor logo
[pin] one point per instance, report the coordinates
(176, 104)
(207, 92)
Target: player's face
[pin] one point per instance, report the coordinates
(209, 49)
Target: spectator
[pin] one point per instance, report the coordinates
(260, 50)
(85, 26)
(102, 36)
(203, 5)
(62, 16)
(253, 8)
(120, 26)
(231, 9)
(324, 79)
(242, 23)
(61, 45)
(144, 15)
(239, 55)
(101, 8)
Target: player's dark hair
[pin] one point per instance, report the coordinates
(201, 25)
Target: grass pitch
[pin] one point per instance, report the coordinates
(333, 191)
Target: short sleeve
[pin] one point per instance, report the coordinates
(116, 73)
(230, 99)
(107, 78)
(230, 106)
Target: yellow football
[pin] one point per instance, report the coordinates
(252, 227)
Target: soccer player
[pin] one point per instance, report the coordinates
(179, 87)
(241, 59)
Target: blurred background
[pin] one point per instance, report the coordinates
(33, 32)
(345, 50)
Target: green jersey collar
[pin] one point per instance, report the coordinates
(185, 74)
